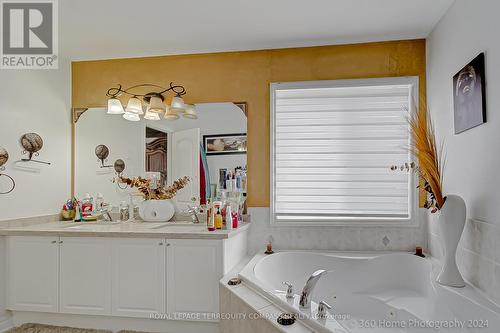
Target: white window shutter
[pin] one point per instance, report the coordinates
(333, 143)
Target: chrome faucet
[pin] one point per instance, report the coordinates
(193, 212)
(322, 309)
(306, 295)
(289, 289)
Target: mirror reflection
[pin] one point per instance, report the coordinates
(210, 150)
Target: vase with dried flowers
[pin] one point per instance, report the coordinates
(157, 205)
(450, 209)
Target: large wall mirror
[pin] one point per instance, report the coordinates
(210, 150)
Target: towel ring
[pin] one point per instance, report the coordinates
(11, 179)
(4, 157)
(118, 184)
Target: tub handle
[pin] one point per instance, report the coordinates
(322, 309)
(289, 289)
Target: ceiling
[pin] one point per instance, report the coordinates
(102, 29)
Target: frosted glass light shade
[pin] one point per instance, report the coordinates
(177, 102)
(134, 106)
(156, 105)
(177, 105)
(169, 115)
(131, 116)
(115, 106)
(190, 112)
(150, 115)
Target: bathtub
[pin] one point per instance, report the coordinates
(393, 292)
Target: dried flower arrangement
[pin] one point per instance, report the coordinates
(430, 158)
(160, 192)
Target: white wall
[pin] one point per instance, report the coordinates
(473, 157)
(36, 101)
(4, 320)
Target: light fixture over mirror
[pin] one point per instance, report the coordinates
(150, 115)
(134, 106)
(170, 115)
(115, 106)
(177, 105)
(152, 102)
(190, 112)
(156, 104)
(131, 116)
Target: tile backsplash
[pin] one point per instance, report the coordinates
(332, 238)
(478, 254)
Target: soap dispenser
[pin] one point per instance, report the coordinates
(87, 205)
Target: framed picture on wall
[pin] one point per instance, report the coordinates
(469, 95)
(225, 144)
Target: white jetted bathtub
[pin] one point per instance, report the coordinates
(372, 293)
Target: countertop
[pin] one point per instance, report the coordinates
(170, 230)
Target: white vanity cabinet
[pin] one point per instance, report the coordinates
(85, 275)
(123, 277)
(138, 277)
(33, 273)
(194, 268)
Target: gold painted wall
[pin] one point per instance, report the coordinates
(245, 76)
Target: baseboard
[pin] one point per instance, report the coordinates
(114, 324)
(6, 323)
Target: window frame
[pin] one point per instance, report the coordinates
(413, 219)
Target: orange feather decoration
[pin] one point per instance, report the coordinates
(425, 150)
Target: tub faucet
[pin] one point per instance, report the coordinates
(306, 295)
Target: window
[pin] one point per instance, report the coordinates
(332, 145)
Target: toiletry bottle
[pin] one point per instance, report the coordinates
(269, 246)
(78, 212)
(238, 181)
(210, 217)
(241, 209)
(234, 183)
(218, 219)
(244, 181)
(229, 182)
(234, 216)
(99, 201)
(87, 205)
(229, 218)
(222, 178)
(217, 204)
(131, 209)
(124, 210)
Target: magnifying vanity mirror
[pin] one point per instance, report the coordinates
(210, 150)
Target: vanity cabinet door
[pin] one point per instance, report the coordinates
(138, 277)
(194, 268)
(32, 273)
(85, 286)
